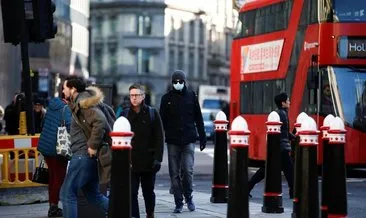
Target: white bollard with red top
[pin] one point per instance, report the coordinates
(337, 198)
(238, 204)
(326, 179)
(120, 197)
(307, 204)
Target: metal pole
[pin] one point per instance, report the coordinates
(337, 199)
(220, 168)
(120, 193)
(272, 197)
(326, 179)
(27, 82)
(238, 204)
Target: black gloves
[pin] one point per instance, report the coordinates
(156, 166)
(202, 146)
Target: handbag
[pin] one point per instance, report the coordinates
(41, 174)
(63, 139)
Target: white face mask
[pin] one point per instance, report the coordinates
(178, 86)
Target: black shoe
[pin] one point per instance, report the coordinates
(55, 212)
(178, 208)
(190, 205)
(291, 193)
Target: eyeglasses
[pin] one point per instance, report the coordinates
(178, 81)
(135, 95)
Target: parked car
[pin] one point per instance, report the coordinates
(208, 118)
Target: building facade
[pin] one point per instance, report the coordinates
(145, 41)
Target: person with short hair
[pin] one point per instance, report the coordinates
(82, 171)
(147, 148)
(283, 104)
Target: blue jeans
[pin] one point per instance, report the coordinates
(181, 161)
(81, 174)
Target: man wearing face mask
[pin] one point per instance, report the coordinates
(181, 115)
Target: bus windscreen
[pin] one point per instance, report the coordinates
(350, 10)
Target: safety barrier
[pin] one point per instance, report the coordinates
(18, 159)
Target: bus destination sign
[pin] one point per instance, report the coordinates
(352, 47)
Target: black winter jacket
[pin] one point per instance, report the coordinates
(181, 115)
(148, 140)
(286, 135)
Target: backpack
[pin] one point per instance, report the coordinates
(151, 112)
(110, 117)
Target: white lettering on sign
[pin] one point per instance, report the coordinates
(310, 45)
(261, 57)
(357, 47)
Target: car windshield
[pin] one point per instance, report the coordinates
(350, 10)
(349, 94)
(212, 104)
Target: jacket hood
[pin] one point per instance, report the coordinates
(55, 104)
(92, 96)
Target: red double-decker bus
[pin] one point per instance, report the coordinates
(315, 50)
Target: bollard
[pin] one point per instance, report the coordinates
(120, 194)
(238, 204)
(326, 179)
(307, 189)
(337, 198)
(300, 118)
(220, 167)
(272, 197)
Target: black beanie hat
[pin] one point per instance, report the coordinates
(178, 75)
(282, 97)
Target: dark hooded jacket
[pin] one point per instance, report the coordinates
(52, 120)
(181, 114)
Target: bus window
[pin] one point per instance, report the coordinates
(268, 19)
(348, 87)
(350, 10)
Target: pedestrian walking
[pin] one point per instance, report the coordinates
(39, 113)
(182, 118)
(283, 103)
(82, 171)
(147, 149)
(57, 111)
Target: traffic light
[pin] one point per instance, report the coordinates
(42, 26)
(11, 20)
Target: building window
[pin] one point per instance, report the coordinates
(98, 25)
(113, 24)
(172, 30)
(191, 62)
(98, 61)
(201, 64)
(180, 59)
(202, 32)
(171, 60)
(181, 32)
(144, 25)
(113, 58)
(191, 31)
(144, 58)
(228, 40)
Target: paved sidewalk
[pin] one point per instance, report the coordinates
(164, 208)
